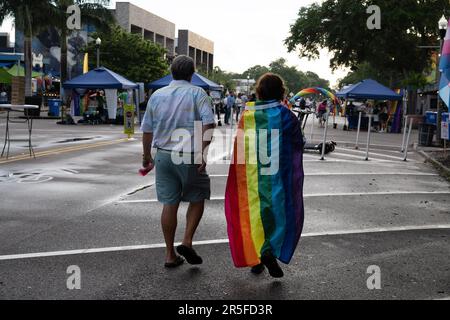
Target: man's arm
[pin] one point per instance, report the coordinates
(208, 131)
(147, 141)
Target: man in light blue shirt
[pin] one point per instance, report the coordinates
(171, 111)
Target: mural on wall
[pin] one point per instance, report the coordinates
(46, 48)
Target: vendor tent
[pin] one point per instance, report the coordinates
(197, 80)
(100, 78)
(369, 89)
(20, 71)
(5, 76)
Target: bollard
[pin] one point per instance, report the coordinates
(407, 140)
(325, 133)
(368, 137)
(312, 128)
(359, 129)
(404, 134)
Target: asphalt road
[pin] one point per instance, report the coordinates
(87, 207)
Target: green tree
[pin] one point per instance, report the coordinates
(28, 16)
(223, 78)
(255, 72)
(128, 54)
(341, 27)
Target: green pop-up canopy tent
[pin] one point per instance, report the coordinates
(5, 76)
(13, 72)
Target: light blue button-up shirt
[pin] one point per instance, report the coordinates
(178, 106)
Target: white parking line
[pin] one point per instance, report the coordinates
(212, 242)
(321, 195)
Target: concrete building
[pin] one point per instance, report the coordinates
(5, 43)
(198, 48)
(151, 27)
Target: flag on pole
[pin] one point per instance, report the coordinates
(444, 67)
(86, 63)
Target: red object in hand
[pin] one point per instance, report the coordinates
(145, 171)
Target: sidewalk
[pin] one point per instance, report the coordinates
(439, 157)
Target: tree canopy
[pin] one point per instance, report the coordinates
(341, 27)
(294, 78)
(131, 56)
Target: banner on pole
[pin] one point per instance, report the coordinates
(128, 113)
(445, 128)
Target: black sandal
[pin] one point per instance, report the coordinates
(258, 269)
(269, 260)
(172, 265)
(190, 255)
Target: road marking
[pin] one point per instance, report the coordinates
(63, 150)
(363, 154)
(320, 195)
(213, 242)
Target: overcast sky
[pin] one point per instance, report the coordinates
(245, 32)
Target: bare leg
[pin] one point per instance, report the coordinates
(169, 223)
(193, 218)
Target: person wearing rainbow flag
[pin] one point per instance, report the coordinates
(264, 194)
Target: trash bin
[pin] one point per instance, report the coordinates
(431, 118)
(426, 134)
(54, 106)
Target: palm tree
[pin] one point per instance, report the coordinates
(94, 13)
(28, 17)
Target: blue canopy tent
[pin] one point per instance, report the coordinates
(100, 78)
(197, 80)
(369, 89)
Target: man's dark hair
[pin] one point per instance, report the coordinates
(183, 68)
(270, 87)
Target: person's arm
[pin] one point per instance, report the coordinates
(209, 124)
(147, 141)
(208, 131)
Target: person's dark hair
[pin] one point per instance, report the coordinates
(183, 67)
(270, 87)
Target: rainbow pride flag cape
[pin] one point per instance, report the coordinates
(264, 200)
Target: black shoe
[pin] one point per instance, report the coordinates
(258, 269)
(271, 263)
(172, 265)
(190, 255)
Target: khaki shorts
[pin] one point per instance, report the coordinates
(179, 183)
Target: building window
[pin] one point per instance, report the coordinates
(170, 45)
(160, 40)
(148, 35)
(136, 29)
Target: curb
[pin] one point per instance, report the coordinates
(434, 161)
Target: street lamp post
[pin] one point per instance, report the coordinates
(248, 86)
(443, 25)
(98, 43)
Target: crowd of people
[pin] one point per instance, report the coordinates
(378, 112)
